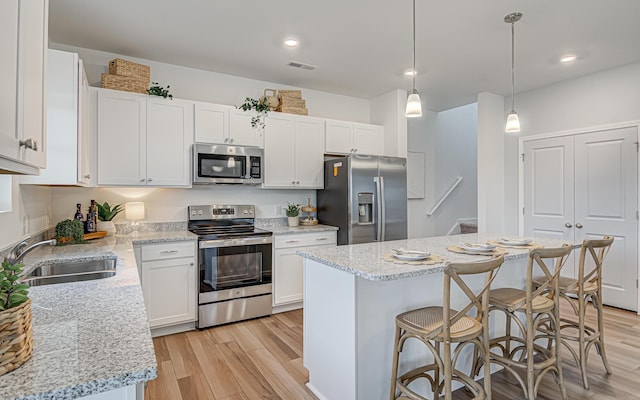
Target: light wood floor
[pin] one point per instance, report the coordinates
(262, 359)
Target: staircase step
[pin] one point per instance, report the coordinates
(468, 228)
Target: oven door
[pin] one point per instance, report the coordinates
(232, 264)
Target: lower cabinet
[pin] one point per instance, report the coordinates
(168, 277)
(288, 266)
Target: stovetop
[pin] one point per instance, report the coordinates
(224, 221)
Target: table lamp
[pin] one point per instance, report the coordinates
(134, 211)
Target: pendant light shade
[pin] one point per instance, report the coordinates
(513, 122)
(414, 106)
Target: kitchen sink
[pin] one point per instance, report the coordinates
(76, 271)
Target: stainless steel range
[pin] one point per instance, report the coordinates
(234, 259)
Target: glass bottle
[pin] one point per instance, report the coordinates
(78, 214)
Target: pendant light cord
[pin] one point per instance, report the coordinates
(414, 46)
(513, 84)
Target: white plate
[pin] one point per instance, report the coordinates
(514, 242)
(479, 247)
(410, 257)
(407, 252)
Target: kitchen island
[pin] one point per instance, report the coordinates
(352, 295)
(91, 339)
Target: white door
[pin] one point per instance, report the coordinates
(606, 203)
(279, 151)
(309, 153)
(8, 79)
(338, 137)
(212, 123)
(241, 133)
(585, 186)
(367, 139)
(288, 279)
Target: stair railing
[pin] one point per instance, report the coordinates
(444, 197)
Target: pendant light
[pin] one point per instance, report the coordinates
(414, 107)
(513, 122)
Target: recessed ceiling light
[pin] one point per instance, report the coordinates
(291, 42)
(410, 73)
(569, 58)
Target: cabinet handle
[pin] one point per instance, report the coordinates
(292, 241)
(191, 264)
(231, 140)
(355, 150)
(168, 251)
(568, 225)
(324, 238)
(297, 182)
(578, 225)
(149, 179)
(293, 182)
(226, 140)
(142, 180)
(29, 144)
(88, 176)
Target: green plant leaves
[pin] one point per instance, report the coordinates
(260, 106)
(156, 90)
(12, 293)
(69, 229)
(106, 212)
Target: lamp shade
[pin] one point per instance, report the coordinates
(414, 106)
(513, 122)
(134, 210)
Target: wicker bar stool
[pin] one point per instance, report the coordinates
(438, 327)
(587, 288)
(521, 354)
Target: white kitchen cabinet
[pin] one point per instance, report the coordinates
(343, 137)
(241, 133)
(288, 266)
(68, 153)
(293, 148)
(212, 123)
(24, 30)
(143, 141)
(168, 278)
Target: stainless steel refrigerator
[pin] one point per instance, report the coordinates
(365, 197)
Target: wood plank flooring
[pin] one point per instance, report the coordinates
(262, 359)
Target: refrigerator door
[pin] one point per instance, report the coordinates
(334, 200)
(364, 201)
(393, 172)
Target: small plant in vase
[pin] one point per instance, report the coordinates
(293, 211)
(260, 106)
(16, 341)
(106, 214)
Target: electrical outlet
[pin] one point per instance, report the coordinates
(279, 210)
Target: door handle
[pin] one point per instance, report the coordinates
(578, 225)
(568, 225)
(29, 144)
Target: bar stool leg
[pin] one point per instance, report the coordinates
(394, 367)
(600, 342)
(558, 342)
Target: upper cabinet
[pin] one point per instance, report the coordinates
(143, 141)
(344, 137)
(293, 148)
(68, 146)
(215, 123)
(24, 30)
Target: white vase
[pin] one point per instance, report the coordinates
(106, 226)
(294, 221)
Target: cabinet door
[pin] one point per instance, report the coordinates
(84, 144)
(169, 289)
(240, 131)
(122, 127)
(8, 78)
(212, 123)
(288, 277)
(367, 139)
(279, 151)
(169, 138)
(32, 53)
(338, 137)
(309, 153)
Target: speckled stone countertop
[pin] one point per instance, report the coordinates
(292, 230)
(365, 260)
(89, 337)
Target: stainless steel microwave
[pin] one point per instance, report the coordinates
(222, 164)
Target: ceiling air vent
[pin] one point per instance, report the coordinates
(298, 64)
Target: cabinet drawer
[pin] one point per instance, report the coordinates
(168, 250)
(305, 239)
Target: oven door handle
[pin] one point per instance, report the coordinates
(208, 244)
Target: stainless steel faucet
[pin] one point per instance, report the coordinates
(20, 250)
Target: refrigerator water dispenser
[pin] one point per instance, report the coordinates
(365, 208)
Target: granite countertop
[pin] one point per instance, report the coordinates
(291, 230)
(365, 260)
(92, 336)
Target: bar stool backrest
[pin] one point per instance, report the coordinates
(598, 250)
(549, 286)
(478, 300)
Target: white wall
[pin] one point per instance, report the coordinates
(388, 110)
(602, 98)
(196, 84)
(449, 141)
(30, 213)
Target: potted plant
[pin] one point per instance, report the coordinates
(260, 106)
(106, 214)
(293, 211)
(16, 340)
(69, 231)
